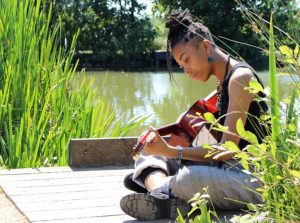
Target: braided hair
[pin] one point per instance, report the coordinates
(183, 27)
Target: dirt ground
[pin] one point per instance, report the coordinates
(8, 212)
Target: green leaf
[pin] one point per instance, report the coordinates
(292, 127)
(250, 137)
(209, 117)
(265, 117)
(179, 219)
(203, 209)
(192, 210)
(221, 128)
(260, 189)
(285, 50)
(245, 164)
(296, 51)
(244, 159)
(255, 86)
(252, 149)
(206, 146)
(231, 146)
(289, 160)
(240, 127)
(290, 60)
(262, 147)
(252, 207)
(274, 84)
(295, 173)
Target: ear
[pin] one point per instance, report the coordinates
(207, 46)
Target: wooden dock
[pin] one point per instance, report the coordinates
(89, 190)
(64, 194)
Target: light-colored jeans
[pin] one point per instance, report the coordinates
(228, 186)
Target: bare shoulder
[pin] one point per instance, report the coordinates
(241, 77)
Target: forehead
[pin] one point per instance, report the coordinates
(183, 48)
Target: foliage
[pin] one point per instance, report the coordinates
(230, 26)
(115, 32)
(199, 203)
(42, 107)
(275, 161)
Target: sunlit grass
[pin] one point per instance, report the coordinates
(41, 107)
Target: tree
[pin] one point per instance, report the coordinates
(226, 21)
(114, 31)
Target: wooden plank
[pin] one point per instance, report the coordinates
(58, 169)
(18, 171)
(76, 169)
(36, 170)
(64, 175)
(109, 219)
(8, 212)
(25, 184)
(68, 196)
(74, 213)
(61, 195)
(63, 181)
(88, 186)
(68, 204)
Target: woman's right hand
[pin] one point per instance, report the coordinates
(158, 146)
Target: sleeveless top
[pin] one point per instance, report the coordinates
(256, 109)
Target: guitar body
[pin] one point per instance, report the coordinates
(189, 125)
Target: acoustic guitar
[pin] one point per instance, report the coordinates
(184, 131)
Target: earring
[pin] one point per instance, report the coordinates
(210, 59)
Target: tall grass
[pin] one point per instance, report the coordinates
(42, 107)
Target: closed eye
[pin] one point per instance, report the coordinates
(186, 60)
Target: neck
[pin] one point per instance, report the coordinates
(219, 65)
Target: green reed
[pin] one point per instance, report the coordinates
(42, 107)
(281, 168)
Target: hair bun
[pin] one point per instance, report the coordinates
(179, 20)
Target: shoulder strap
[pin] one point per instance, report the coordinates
(241, 64)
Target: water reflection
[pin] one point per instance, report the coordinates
(136, 93)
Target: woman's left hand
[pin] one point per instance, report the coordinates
(157, 146)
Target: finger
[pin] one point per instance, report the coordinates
(157, 137)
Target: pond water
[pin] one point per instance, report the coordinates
(142, 93)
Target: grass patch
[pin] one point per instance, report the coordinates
(41, 107)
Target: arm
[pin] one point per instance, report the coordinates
(239, 102)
